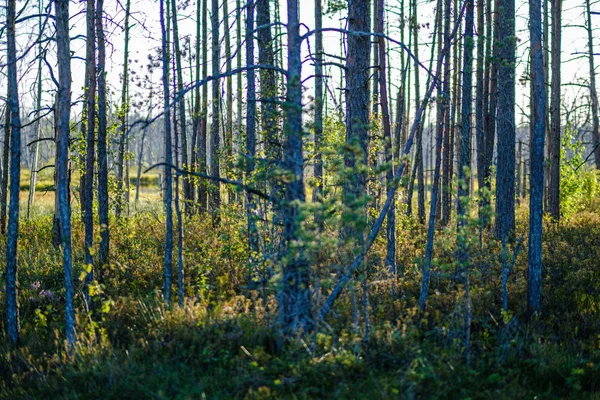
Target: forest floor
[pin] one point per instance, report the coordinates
(224, 342)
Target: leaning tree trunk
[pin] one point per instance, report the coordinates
(534, 276)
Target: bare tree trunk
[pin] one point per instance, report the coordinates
(202, 137)
(38, 124)
(228, 128)
(593, 92)
(168, 159)
(123, 117)
(357, 112)
(554, 145)
(390, 256)
(318, 128)
(5, 165)
(87, 194)
(480, 96)
(251, 128)
(62, 159)
(534, 276)
(294, 297)
(214, 145)
(505, 177)
(12, 278)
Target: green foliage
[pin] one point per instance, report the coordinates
(579, 185)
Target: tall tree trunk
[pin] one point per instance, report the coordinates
(87, 193)
(123, 118)
(593, 92)
(554, 145)
(505, 176)
(228, 128)
(62, 159)
(5, 165)
(102, 140)
(202, 137)
(214, 145)
(446, 202)
(38, 124)
(268, 86)
(187, 195)
(464, 164)
(294, 297)
(196, 115)
(390, 255)
(534, 276)
(168, 158)
(250, 128)
(480, 96)
(357, 112)
(12, 302)
(318, 127)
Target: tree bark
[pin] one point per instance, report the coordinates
(294, 297)
(357, 114)
(534, 276)
(102, 140)
(318, 127)
(554, 145)
(505, 177)
(593, 92)
(214, 145)
(123, 119)
(168, 159)
(62, 159)
(87, 193)
(12, 278)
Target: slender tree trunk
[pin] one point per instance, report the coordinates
(294, 297)
(123, 118)
(38, 124)
(554, 145)
(5, 165)
(446, 202)
(251, 129)
(12, 279)
(480, 96)
(593, 92)
(390, 256)
(168, 159)
(196, 116)
(62, 159)
(534, 276)
(102, 140)
(228, 128)
(318, 128)
(87, 193)
(464, 164)
(214, 145)
(202, 137)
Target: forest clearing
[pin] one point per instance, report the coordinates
(265, 199)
